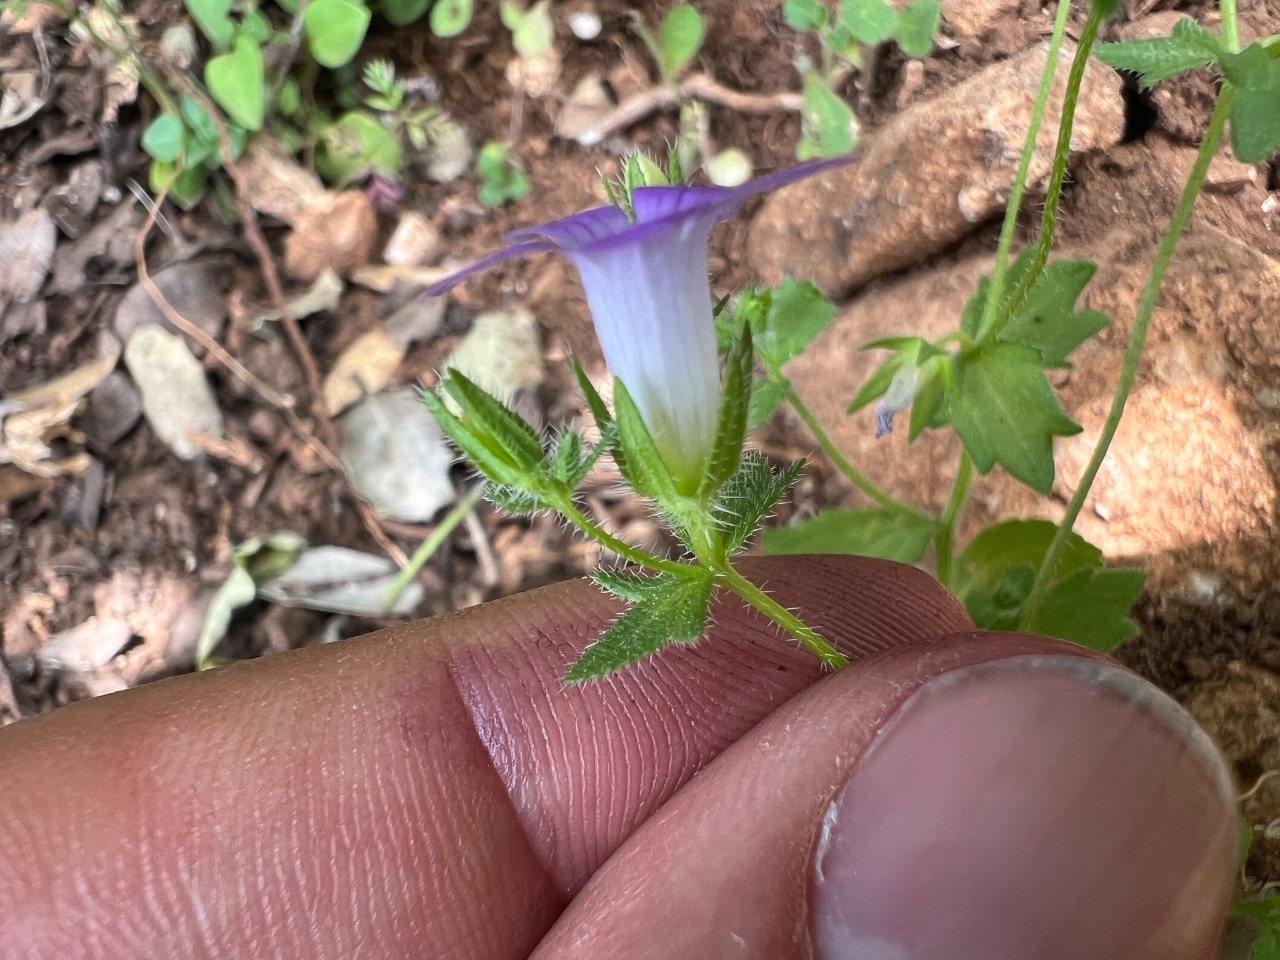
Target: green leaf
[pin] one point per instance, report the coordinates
(870, 21)
(198, 120)
(669, 609)
(766, 394)
(1091, 608)
(401, 13)
(917, 27)
(355, 145)
(731, 419)
(638, 456)
(595, 403)
(1004, 411)
(334, 30)
(1267, 946)
(632, 587)
(804, 14)
(796, 313)
(186, 184)
(937, 377)
(256, 27)
(235, 81)
(1046, 320)
(214, 20)
(1266, 911)
(749, 497)
(501, 445)
(450, 17)
(888, 534)
(1158, 58)
(827, 123)
(165, 138)
(1255, 114)
(510, 434)
(516, 500)
(1013, 542)
(532, 32)
(680, 38)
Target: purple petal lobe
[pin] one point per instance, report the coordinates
(484, 263)
(884, 420)
(578, 232)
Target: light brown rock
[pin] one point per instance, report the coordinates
(970, 19)
(927, 177)
(336, 233)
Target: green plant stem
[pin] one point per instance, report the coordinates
(432, 543)
(731, 579)
(1133, 353)
(1058, 176)
(945, 543)
(1230, 25)
(621, 548)
(854, 475)
(996, 292)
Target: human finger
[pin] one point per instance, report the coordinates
(433, 790)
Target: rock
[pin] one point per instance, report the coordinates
(277, 184)
(501, 352)
(195, 291)
(396, 456)
(26, 251)
(584, 20)
(418, 319)
(114, 409)
(927, 177)
(336, 233)
(364, 367)
(586, 106)
(415, 241)
(85, 647)
(72, 204)
(1189, 475)
(450, 154)
(1228, 175)
(176, 398)
(970, 19)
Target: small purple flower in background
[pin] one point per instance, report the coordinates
(902, 390)
(646, 284)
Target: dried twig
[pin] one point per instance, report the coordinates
(700, 85)
(286, 404)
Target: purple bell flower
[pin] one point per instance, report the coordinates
(646, 284)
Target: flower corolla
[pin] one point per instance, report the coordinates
(645, 278)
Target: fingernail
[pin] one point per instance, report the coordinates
(1046, 807)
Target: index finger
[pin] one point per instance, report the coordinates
(432, 790)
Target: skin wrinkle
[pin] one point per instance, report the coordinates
(497, 679)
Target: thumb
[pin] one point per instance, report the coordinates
(994, 797)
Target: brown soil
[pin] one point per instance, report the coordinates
(141, 528)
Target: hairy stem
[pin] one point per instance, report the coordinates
(1058, 177)
(731, 579)
(621, 548)
(852, 473)
(996, 292)
(1133, 353)
(945, 545)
